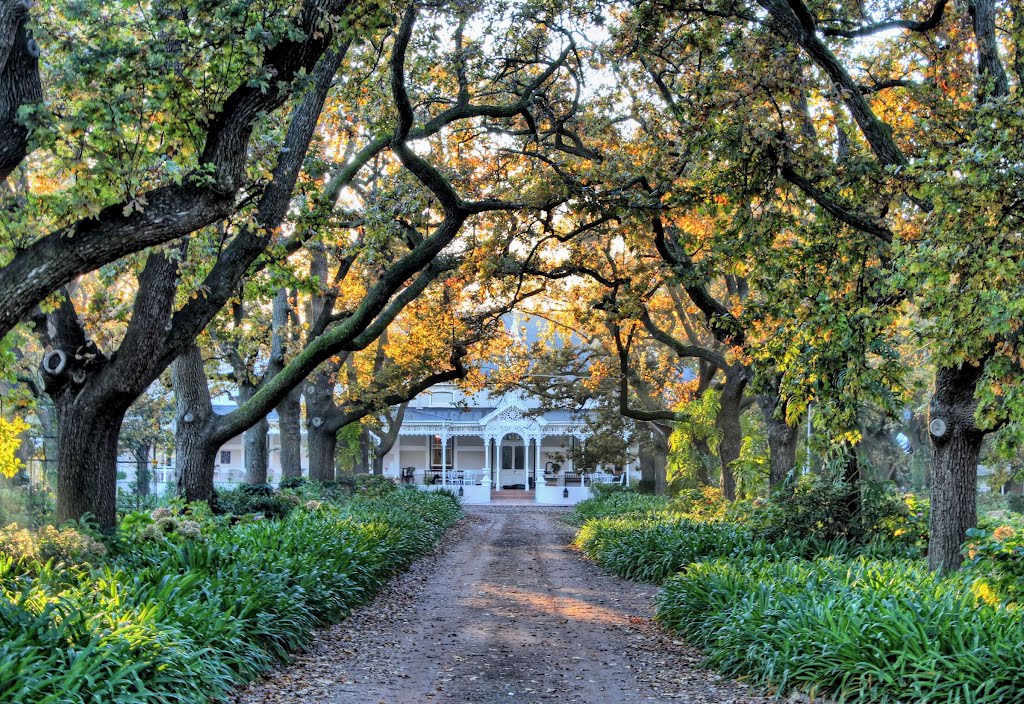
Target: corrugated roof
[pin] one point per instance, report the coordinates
(450, 415)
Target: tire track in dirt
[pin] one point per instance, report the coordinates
(506, 611)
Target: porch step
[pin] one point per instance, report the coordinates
(502, 494)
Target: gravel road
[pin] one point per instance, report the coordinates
(505, 611)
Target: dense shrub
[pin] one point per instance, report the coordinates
(861, 631)
(260, 499)
(820, 507)
(1015, 502)
(187, 619)
(292, 482)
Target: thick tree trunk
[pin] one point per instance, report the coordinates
(653, 458)
(728, 423)
(142, 473)
(956, 444)
(19, 82)
(256, 454)
(290, 431)
(363, 463)
(321, 431)
(322, 445)
(194, 447)
(782, 440)
(87, 467)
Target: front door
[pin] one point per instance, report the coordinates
(513, 465)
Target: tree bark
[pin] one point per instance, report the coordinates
(19, 82)
(254, 438)
(728, 423)
(955, 454)
(322, 446)
(653, 458)
(142, 475)
(87, 467)
(782, 440)
(290, 432)
(92, 392)
(363, 463)
(194, 449)
(256, 455)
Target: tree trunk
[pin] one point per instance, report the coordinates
(956, 445)
(728, 422)
(142, 474)
(87, 467)
(852, 479)
(321, 431)
(653, 457)
(19, 82)
(322, 445)
(707, 457)
(194, 448)
(256, 455)
(782, 440)
(290, 431)
(363, 464)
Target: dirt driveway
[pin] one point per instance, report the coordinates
(505, 612)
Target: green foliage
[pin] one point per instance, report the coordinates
(685, 460)
(996, 556)
(255, 499)
(188, 620)
(1015, 502)
(10, 442)
(292, 483)
(616, 504)
(861, 632)
(820, 507)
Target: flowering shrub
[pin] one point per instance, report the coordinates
(65, 545)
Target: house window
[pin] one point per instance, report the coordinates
(442, 398)
(435, 452)
(225, 456)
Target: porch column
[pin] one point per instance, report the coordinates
(444, 456)
(538, 472)
(487, 463)
(497, 461)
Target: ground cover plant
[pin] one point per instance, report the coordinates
(185, 606)
(858, 631)
(777, 592)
